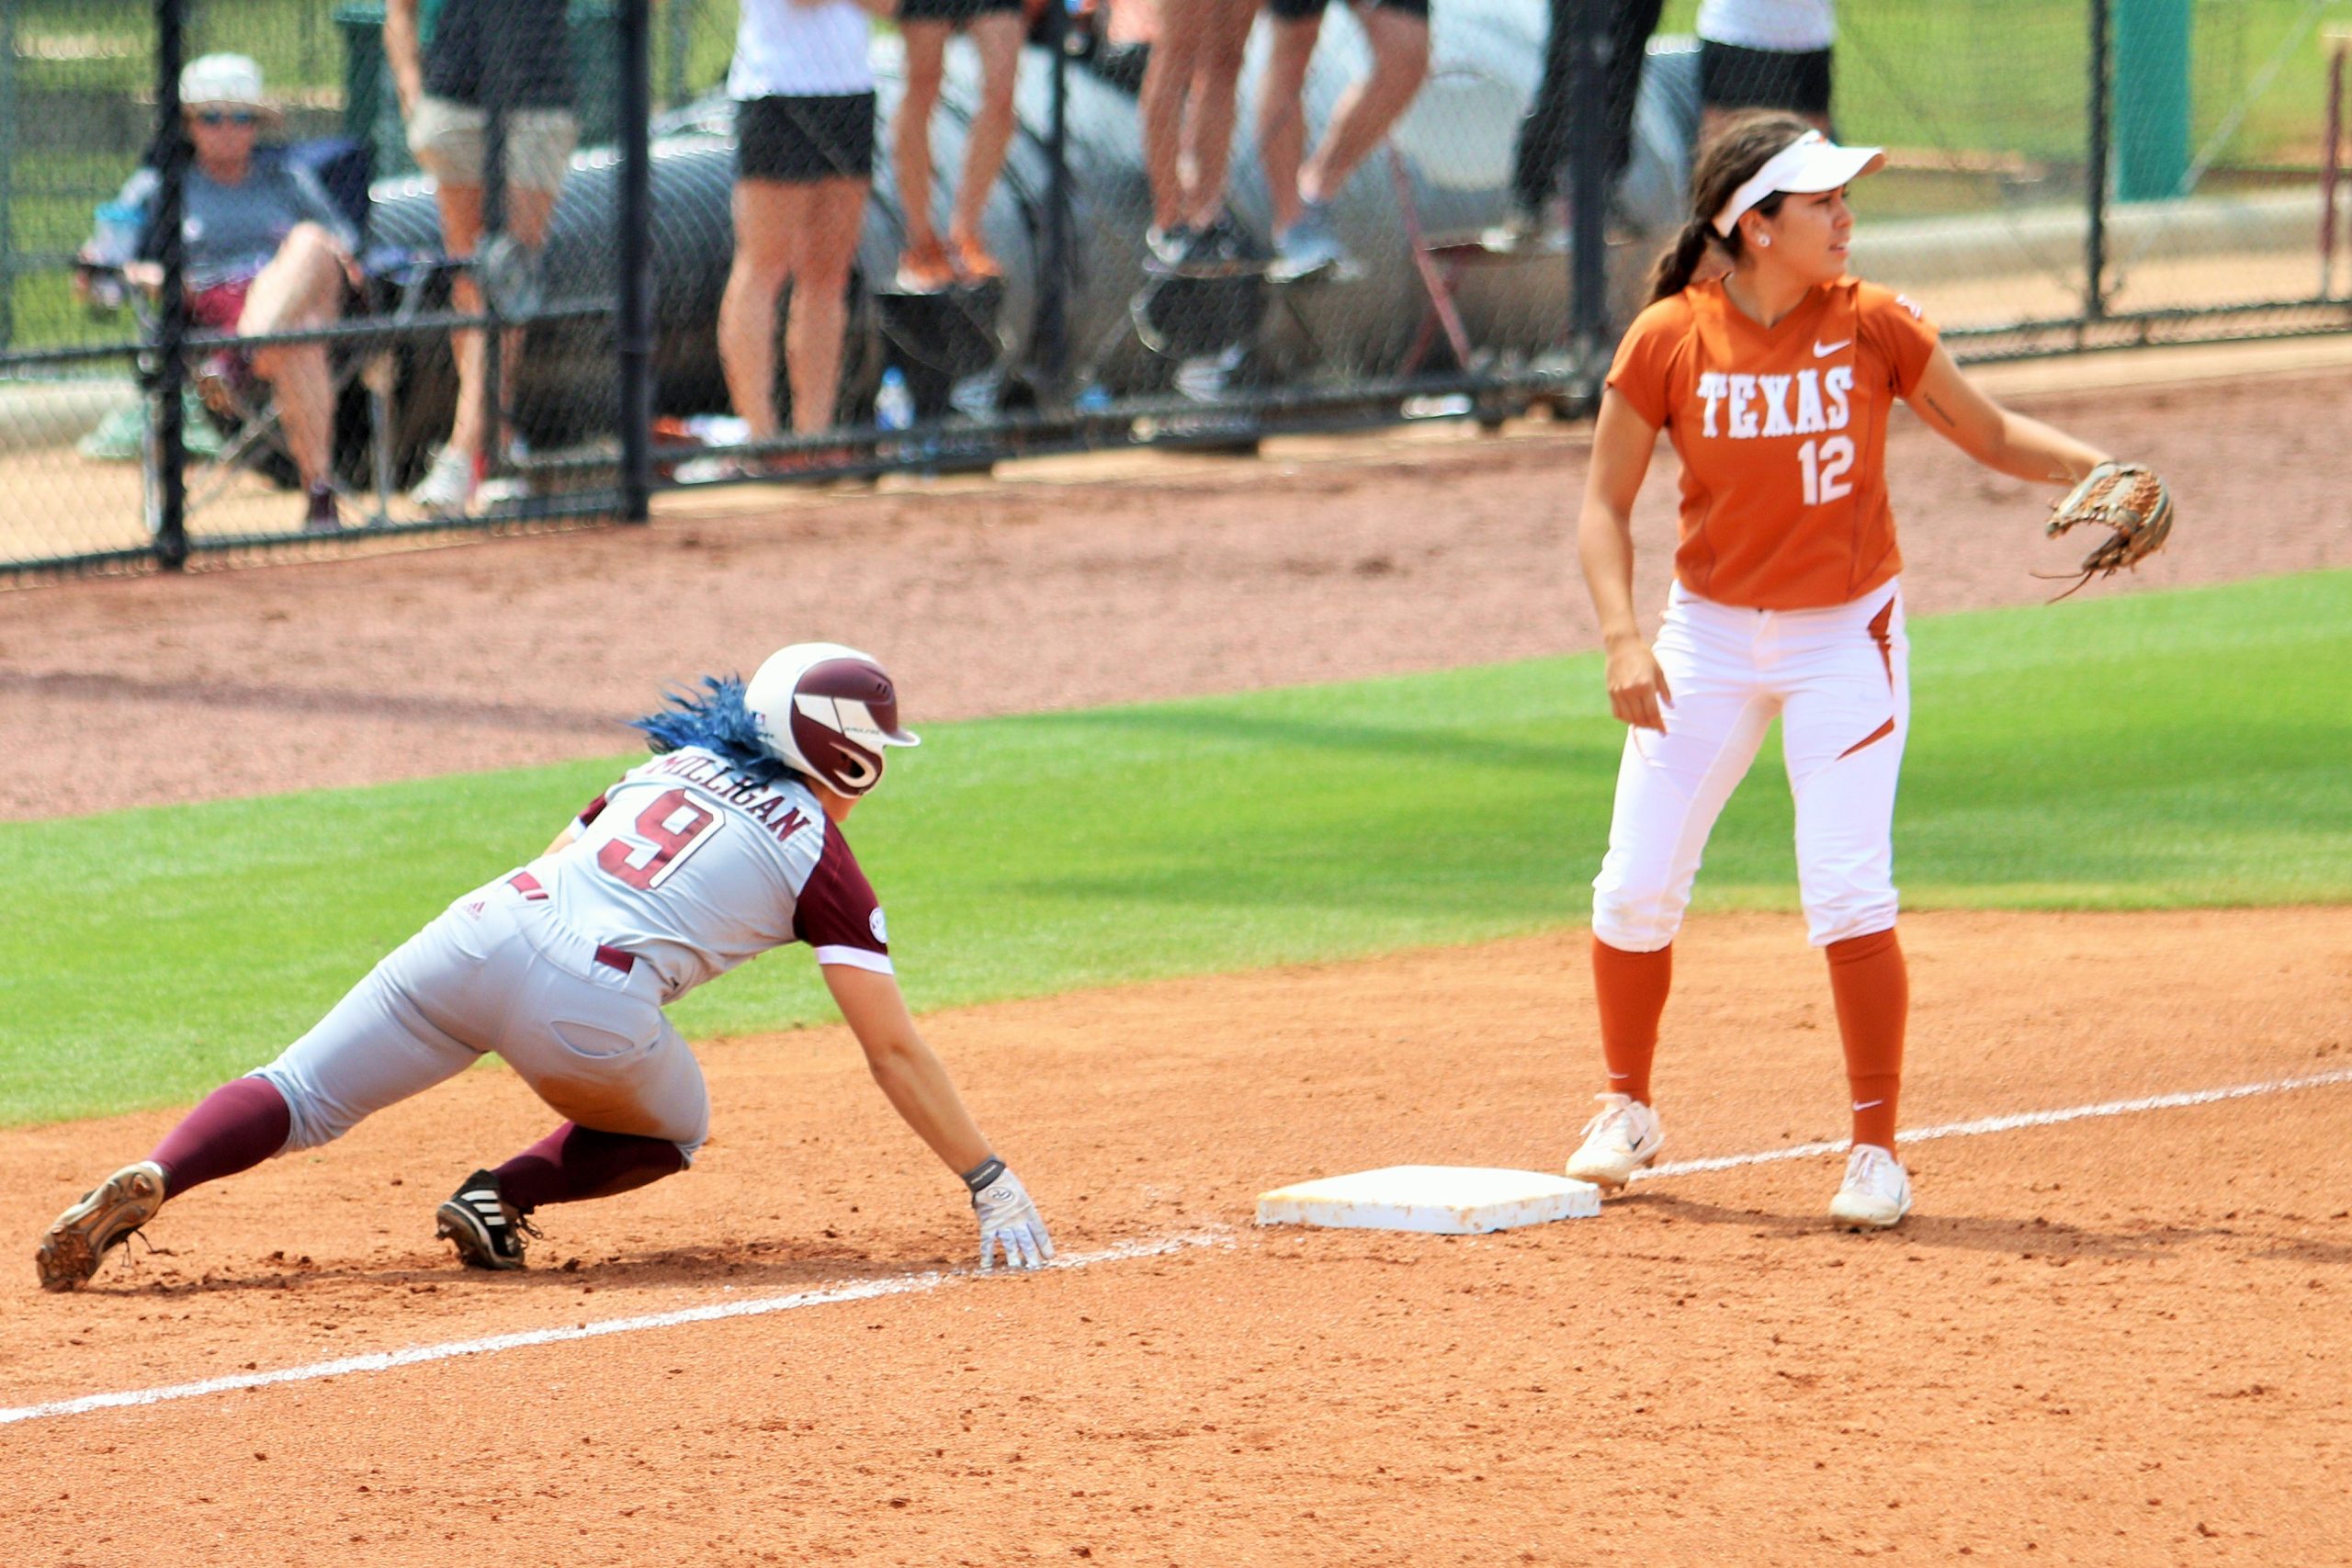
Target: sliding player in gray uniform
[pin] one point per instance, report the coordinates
(725, 845)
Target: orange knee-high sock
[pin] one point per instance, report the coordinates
(1632, 987)
(1874, 991)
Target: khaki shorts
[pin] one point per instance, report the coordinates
(447, 139)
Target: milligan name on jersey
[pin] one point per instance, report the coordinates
(1753, 407)
(760, 802)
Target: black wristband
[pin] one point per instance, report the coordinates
(981, 1175)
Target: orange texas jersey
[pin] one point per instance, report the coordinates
(1782, 436)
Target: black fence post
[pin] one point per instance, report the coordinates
(1589, 175)
(634, 323)
(1051, 335)
(2095, 172)
(169, 376)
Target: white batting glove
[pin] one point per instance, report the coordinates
(1008, 1217)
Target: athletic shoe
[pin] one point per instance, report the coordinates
(70, 1249)
(1877, 1192)
(925, 269)
(1168, 246)
(972, 259)
(1309, 247)
(487, 1229)
(1520, 229)
(1625, 1137)
(447, 487)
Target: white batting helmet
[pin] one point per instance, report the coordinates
(827, 711)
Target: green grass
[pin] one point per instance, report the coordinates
(2146, 752)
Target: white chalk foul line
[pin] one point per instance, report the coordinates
(915, 1284)
(1985, 1125)
(385, 1360)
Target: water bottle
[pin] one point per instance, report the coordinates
(894, 402)
(115, 240)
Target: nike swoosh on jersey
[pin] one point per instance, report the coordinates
(1824, 350)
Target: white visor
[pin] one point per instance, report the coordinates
(1811, 163)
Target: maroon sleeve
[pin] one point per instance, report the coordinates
(837, 913)
(590, 812)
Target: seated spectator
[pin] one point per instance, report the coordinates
(1764, 54)
(264, 250)
(485, 54)
(1188, 109)
(804, 161)
(997, 28)
(1398, 30)
(1543, 135)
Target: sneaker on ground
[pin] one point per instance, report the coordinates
(321, 514)
(925, 269)
(1625, 1136)
(972, 260)
(1309, 247)
(1520, 229)
(1877, 1190)
(487, 1229)
(106, 1216)
(447, 487)
(1168, 246)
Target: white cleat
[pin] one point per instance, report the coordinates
(1625, 1137)
(1877, 1192)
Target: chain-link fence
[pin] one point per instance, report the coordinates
(310, 271)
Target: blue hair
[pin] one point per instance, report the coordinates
(715, 719)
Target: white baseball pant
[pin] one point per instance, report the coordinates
(1839, 681)
(496, 971)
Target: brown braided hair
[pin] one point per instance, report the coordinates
(1728, 161)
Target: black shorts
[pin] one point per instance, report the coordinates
(1307, 10)
(1731, 77)
(804, 140)
(955, 11)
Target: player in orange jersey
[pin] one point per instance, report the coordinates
(1775, 379)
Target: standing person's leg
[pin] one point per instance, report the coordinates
(997, 36)
(765, 212)
(1214, 108)
(1297, 27)
(1846, 717)
(1543, 135)
(1166, 84)
(1631, 23)
(1670, 789)
(302, 287)
(1399, 35)
(823, 246)
(923, 266)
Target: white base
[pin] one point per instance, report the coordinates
(1440, 1200)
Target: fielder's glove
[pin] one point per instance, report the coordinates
(2127, 499)
(1008, 1217)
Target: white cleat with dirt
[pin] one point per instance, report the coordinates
(1625, 1136)
(70, 1249)
(1877, 1191)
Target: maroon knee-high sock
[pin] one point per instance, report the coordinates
(575, 1162)
(238, 1126)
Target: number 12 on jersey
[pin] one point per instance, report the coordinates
(1826, 463)
(672, 827)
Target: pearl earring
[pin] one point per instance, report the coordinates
(1763, 239)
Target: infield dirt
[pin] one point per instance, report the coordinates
(2118, 1341)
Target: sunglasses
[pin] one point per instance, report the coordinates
(228, 116)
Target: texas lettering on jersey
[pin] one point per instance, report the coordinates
(1782, 431)
(1801, 402)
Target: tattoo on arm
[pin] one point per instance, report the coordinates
(1939, 410)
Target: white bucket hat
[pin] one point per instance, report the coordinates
(229, 81)
(1811, 163)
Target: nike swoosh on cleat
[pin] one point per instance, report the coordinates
(1824, 350)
